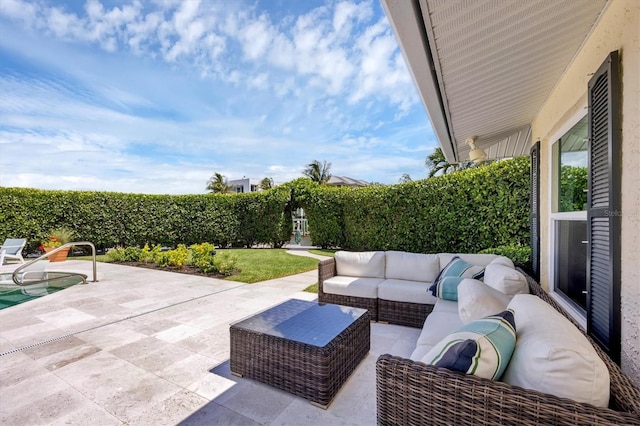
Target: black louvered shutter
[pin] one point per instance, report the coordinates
(603, 208)
(534, 216)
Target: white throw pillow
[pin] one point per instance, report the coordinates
(503, 260)
(368, 264)
(477, 300)
(505, 279)
(552, 356)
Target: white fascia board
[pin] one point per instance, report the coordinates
(407, 23)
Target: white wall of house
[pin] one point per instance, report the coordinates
(245, 185)
(617, 29)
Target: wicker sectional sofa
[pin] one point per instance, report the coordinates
(392, 285)
(412, 392)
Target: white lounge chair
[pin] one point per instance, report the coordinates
(12, 249)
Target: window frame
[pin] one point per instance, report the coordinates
(570, 307)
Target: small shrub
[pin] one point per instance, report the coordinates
(520, 255)
(225, 263)
(116, 254)
(145, 254)
(178, 257)
(132, 254)
(203, 257)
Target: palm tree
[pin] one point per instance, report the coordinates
(318, 172)
(405, 178)
(218, 184)
(436, 162)
(266, 183)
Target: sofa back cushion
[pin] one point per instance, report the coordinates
(368, 264)
(477, 300)
(552, 356)
(505, 279)
(474, 259)
(412, 266)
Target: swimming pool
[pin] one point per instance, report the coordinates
(12, 294)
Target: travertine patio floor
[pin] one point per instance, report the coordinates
(146, 347)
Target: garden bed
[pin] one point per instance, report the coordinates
(186, 269)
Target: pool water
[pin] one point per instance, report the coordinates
(12, 294)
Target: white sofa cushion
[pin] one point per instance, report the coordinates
(474, 259)
(369, 264)
(437, 326)
(505, 279)
(477, 300)
(419, 352)
(552, 356)
(482, 348)
(446, 306)
(503, 260)
(352, 286)
(412, 266)
(406, 291)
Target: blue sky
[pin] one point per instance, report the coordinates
(156, 96)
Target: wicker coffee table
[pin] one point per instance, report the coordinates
(302, 347)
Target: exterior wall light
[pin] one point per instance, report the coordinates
(477, 155)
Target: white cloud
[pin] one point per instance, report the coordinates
(160, 95)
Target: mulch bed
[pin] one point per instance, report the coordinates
(186, 269)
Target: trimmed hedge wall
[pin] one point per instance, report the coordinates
(109, 219)
(465, 211)
(462, 212)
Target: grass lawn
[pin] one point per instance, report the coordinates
(266, 264)
(323, 252)
(313, 288)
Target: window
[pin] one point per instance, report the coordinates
(569, 217)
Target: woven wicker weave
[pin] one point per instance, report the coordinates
(312, 372)
(403, 313)
(412, 393)
(326, 270)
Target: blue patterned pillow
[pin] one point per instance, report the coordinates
(446, 284)
(482, 347)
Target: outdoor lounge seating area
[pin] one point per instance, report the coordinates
(550, 372)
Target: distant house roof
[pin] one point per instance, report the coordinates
(346, 181)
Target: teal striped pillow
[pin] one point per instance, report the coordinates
(482, 348)
(446, 284)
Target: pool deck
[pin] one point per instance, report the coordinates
(147, 347)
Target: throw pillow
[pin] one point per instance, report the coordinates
(505, 279)
(482, 348)
(453, 273)
(476, 300)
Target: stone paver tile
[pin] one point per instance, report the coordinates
(211, 386)
(170, 411)
(301, 412)
(17, 368)
(177, 333)
(24, 392)
(161, 358)
(112, 336)
(267, 402)
(138, 348)
(65, 317)
(30, 334)
(215, 414)
(187, 371)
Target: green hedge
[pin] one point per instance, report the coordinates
(111, 219)
(465, 211)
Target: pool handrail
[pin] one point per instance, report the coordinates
(57, 249)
